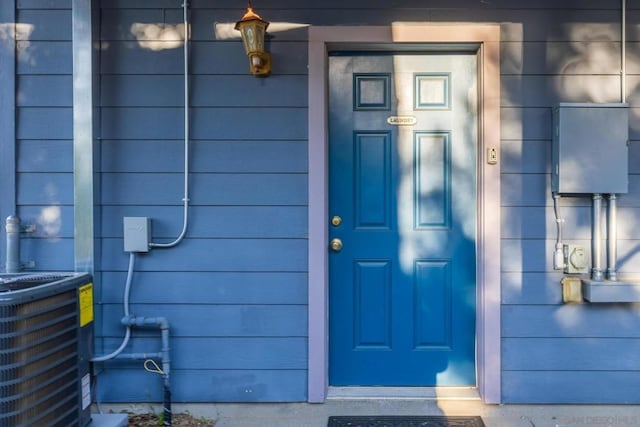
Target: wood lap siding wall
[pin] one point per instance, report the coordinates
(44, 132)
(555, 353)
(235, 291)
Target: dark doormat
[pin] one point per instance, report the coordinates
(399, 421)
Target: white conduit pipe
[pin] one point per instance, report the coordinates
(125, 298)
(185, 200)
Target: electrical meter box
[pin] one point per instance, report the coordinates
(590, 152)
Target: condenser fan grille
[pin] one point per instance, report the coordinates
(39, 358)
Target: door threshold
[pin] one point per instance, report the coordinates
(403, 393)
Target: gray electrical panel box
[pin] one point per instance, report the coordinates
(590, 152)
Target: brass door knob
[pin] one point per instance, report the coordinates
(336, 245)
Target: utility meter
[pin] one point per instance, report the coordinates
(576, 259)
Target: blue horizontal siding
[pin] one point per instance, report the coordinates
(535, 190)
(527, 255)
(570, 354)
(209, 58)
(44, 57)
(206, 189)
(520, 156)
(525, 123)
(226, 353)
(541, 24)
(40, 155)
(46, 24)
(208, 320)
(53, 254)
(205, 386)
(208, 91)
(167, 287)
(531, 288)
(601, 387)
(44, 91)
(538, 222)
(628, 258)
(45, 188)
(629, 223)
(128, 57)
(279, 156)
(116, 24)
(552, 58)
(244, 259)
(140, 4)
(546, 91)
(44, 123)
(214, 123)
(534, 225)
(571, 321)
(216, 255)
(51, 221)
(43, 4)
(240, 222)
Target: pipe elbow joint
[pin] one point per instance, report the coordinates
(163, 323)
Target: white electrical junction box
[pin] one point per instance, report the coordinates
(137, 234)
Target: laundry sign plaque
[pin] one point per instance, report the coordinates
(402, 120)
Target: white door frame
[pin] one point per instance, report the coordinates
(487, 39)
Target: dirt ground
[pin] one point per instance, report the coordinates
(177, 420)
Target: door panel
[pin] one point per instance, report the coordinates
(402, 171)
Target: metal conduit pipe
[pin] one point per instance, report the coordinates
(185, 199)
(12, 228)
(623, 52)
(596, 244)
(612, 237)
(161, 322)
(125, 303)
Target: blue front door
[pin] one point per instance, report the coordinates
(402, 214)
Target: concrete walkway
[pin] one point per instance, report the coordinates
(465, 403)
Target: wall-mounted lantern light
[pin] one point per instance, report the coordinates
(253, 29)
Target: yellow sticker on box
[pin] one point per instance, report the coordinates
(85, 300)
